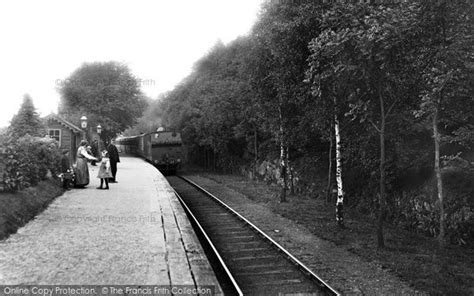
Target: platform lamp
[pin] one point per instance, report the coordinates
(99, 131)
(84, 126)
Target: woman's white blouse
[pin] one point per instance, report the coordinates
(82, 151)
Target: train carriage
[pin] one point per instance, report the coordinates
(164, 149)
(127, 145)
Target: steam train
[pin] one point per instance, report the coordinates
(164, 149)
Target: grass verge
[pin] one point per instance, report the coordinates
(413, 257)
(20, 207)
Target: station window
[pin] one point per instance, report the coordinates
(55, 134)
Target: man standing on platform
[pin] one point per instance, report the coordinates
(114, 159)
(95, 151)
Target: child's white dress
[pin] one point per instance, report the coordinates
(104, 170)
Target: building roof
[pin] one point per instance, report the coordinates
(64, 123)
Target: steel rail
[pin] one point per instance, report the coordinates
(221, 261)
(288, 254)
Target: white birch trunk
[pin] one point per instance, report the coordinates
(283, 173)
(340, 191)
(330, 167)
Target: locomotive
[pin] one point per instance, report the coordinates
(164, 149)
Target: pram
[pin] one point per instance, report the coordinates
(68, 178)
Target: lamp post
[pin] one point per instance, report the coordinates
(84, 126)
(99, 131)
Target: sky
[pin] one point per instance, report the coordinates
(43, 42)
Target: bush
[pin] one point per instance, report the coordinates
(460, 205)
(28, 160)
(418, 209)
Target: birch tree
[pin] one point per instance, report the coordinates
(444, 59)
(362, 53)
(340, 189)
(325, 72)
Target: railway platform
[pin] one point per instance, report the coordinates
(135, 233)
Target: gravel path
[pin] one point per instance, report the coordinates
(344, 271)
(131, 234)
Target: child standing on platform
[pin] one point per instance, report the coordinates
(104, 170)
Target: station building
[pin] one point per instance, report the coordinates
(66, 133)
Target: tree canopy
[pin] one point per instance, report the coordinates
(106, 92)
(26, 121)
(380, 69)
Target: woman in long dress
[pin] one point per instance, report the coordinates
(82, 170)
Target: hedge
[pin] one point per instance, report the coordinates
(29, 160)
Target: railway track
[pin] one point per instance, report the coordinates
(254, 264)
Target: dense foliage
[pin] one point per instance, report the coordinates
(26, 156)
(29, 160)
(398, 77)
(106, 93)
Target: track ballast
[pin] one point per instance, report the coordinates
(256, 264)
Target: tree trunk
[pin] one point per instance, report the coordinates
(255, 145)
(283, 168)
(290, 171)
(340, 191)
(439, 182)
(283, 171)
(381, 214)
(214, 160)
(329, 187)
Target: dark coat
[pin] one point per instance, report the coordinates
(113, 153)
(95, 149)
(65, 164)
